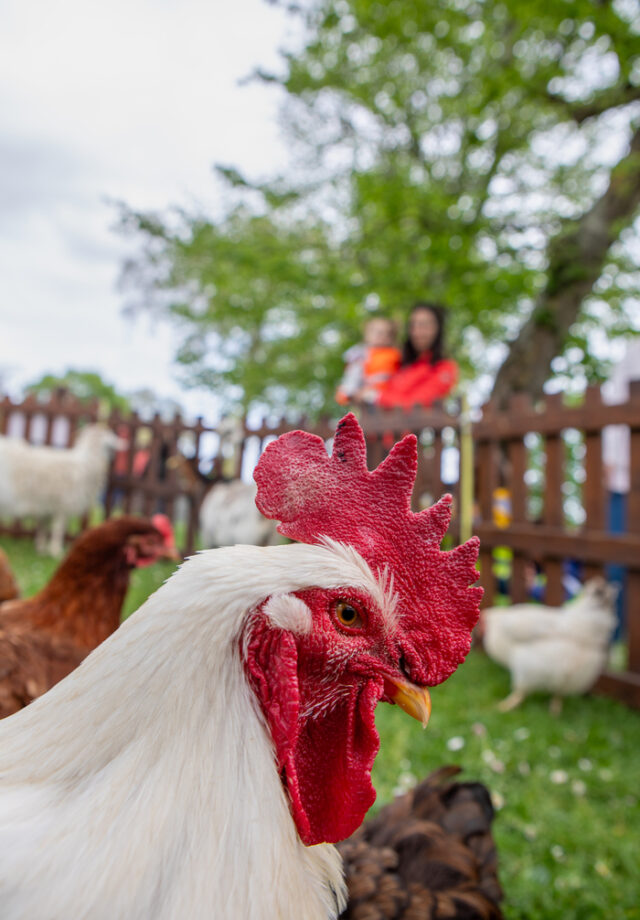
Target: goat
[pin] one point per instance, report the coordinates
(52, 483)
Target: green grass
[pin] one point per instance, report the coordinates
(565, 788)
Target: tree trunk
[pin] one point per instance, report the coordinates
(576, 258)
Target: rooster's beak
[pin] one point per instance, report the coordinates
(413, 699)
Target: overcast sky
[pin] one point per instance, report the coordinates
(120, 99)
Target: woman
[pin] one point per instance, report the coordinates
(425, 374)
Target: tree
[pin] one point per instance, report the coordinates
(84, 385)
(147, 403)
(482, 154)
(263, 305)
(576, 258)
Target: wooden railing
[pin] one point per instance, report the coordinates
(502, 458)
(160, 486)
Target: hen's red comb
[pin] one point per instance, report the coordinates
(315, 496)
(163, 525)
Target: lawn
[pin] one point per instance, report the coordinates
(565, 788)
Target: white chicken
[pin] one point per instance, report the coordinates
(561, 650)
(228, 515)
(203, 760)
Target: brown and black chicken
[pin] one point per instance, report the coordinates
(428, 855)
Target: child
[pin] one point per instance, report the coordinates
(370, 364)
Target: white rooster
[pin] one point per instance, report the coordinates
(200, 763)
(561, 650)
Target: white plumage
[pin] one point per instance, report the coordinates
(143, 786)
(561, 650)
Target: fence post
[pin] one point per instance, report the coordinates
(195, 497)
(553, 511)
(593, 497)
(487, 480)
(519, 405)
(633, 526)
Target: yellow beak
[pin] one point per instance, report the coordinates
(413, 699)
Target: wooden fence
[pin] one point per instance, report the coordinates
(232, 449)
(503, 458)
(129, 489)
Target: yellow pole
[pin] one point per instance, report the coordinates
(466, 470)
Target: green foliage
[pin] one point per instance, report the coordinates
(84, 385)
(439, 151)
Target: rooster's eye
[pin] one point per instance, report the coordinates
(347, 615)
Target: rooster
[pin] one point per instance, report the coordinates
(561, 650)
(43, 638)
(205, 758)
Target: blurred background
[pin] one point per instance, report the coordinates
(246, 185)
(201, 205)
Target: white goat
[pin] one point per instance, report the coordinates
(53, 483)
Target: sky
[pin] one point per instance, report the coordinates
(126, 100)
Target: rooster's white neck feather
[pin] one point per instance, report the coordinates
(143, 786)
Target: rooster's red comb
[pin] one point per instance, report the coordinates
(316, 496)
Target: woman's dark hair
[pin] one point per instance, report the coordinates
(409, 354)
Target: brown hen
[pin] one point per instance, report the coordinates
(43, 638)
(429, 855)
